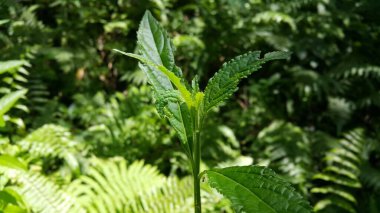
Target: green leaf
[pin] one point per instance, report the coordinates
(256, 189)
(4, 21)
(7, 66)
(273, 17)
(334, 190)
(157, 62)
(11, 201)
(177, 113)
(156, 51)
(7, 101)
(181, 121)
(11, 162)
(224, 83)
(276, 55)
(171, 76)
(163, 98)
(154, 43)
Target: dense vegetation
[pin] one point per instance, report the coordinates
(80, 133)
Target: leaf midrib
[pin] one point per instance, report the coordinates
(245, 188)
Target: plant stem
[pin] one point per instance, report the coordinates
(197, 159)
(197, 189)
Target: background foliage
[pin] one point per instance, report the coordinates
(88, 115)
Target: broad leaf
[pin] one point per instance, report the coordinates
(224, 83)
(256, 189)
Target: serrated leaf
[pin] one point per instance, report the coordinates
(171, 76)
(224, 83)
(157, 62)
(163, 98)
(256, 189)
(154, 43)
(177, 113)
(182, 123)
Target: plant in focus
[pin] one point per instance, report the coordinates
(249, 188)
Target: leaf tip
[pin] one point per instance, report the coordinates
(277, 55)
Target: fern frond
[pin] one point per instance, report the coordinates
(12, 78)
(8, 66)
(136, 77)
(340, 177)
(287, 148)
(13, 75)
(114, 186)
(43, 195)
(362, 71)
(51, 142)
(111, 186)
(339, 111)
(173, 196)
(370, 176)
(296, 6)
(38, 94)
(276, 17)
(39, 192)
(9, 100)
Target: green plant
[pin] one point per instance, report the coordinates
(249, 188)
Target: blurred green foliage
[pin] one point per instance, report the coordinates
(313, 119)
